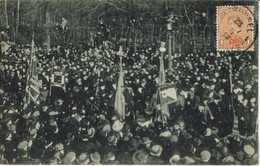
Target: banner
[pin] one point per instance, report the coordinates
(120, 98)
(58, 79)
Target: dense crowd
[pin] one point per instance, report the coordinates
(79, 126)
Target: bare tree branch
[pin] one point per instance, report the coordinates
(186, 13)
(116, 7)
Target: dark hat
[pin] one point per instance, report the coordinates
(127, 136)
(75, 88)
(224, 150)
(201, 102)
(91, 132)
(112, 140)
(146, 140)
(197, 141)
(190, 147)
(148, 111)
(214, 130)
(133, 144)
(239, 155)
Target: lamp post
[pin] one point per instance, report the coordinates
(170, 21)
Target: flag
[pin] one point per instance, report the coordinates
(168, 94)
(162, 113)
(32, 90)
(120, 98)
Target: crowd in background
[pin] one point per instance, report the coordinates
(79, 126)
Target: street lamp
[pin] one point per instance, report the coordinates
(170, 21)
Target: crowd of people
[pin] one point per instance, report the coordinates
(78, 124)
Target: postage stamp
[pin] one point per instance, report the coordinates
(235, 28)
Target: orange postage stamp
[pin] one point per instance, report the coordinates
(235, 28)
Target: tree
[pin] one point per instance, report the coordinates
(17, 16)
(5, 12)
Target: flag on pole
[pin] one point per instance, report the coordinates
(120, 98)
(168, 94)
(32, 90)
(162, 113)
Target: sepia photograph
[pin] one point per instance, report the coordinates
(129, 82)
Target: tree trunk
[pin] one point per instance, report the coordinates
(47, 23)
(5, 12)
(18, 14)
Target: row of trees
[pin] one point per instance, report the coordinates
(135, 21)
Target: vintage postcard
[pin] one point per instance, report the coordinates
(129, 82)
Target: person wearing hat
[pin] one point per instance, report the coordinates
(69, 158)
(112, 140)
(91, 132)
(117, 126)
(95, 158)
(110, 159)
(104, 132)
(38, 147)
(174, 159)
(205, 157)
(155, 153)
(224, 151)
(146, 142)
(23, 157)
(249, 151)
(140, 157)
(133, 144)
(83, 159)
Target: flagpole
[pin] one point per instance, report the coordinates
(52, 68)
(235, 120)
(161, 83)
(29, 72)
(161, 79)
